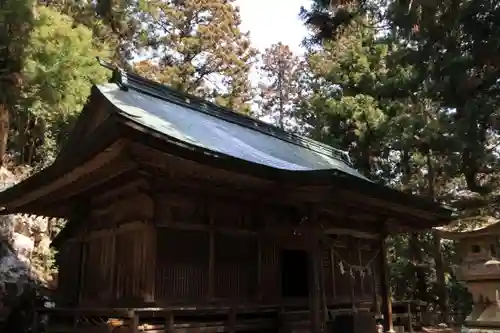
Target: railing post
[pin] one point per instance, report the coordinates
(410, 318)
(35, 327)
(170, 322)
(134, 323)
(232, 320)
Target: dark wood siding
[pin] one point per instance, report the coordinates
(68, 261)
(235, 267)
(182, 265)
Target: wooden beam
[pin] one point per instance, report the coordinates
(352, 232)
(209, 181)
(138, 207)
(134, 225)
(203, 227)
(83, 184)
(386, 205)
(95, 163)
(64, 207)
(123, 187)
(171, 165)
(176, 167)
(333, 207)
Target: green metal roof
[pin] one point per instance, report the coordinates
(205, 125)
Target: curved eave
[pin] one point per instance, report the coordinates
(330, 177)
(96, 143)
(112, 130)
(473, 226)
(493, 229)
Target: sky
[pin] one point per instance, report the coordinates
(272, 21)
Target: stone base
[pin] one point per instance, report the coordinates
(483, 319)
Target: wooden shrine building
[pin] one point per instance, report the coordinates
(178, 206)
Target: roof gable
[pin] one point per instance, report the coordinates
(92, 116)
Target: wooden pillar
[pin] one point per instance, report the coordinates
(83, 262)
(332, 264)
(375, 285)
(259, 269)
(149, 262)
(211, 257)
(322, 278)
(112, 269)
(385, 288)
(81, 271)
(314, 285)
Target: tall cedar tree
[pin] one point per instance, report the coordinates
(59, 70)
(16, 18)
(449, 47)
(113, 22)
(197, 46)
(348, 75)
(357, 99)
(279, 84)
(453, 46)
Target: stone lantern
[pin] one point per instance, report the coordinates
(479, 268)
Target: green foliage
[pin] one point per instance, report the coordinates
(16, 18)
(197, 47)
(355, 112)
(112, 22)
(279, 83)
(59, 71)
(418, 108)
(416, 104)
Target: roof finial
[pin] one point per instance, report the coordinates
(119, 76)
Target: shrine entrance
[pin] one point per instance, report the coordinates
(294, 274)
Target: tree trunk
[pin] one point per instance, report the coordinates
(4, 131)
(420, 292)
(441, 290)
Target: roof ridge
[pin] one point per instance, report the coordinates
(125, 80)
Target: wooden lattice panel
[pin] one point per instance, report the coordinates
(235, 266)
(181, 265)
(270, 272)
(68, 260)
(97, 276)
(129, 264)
